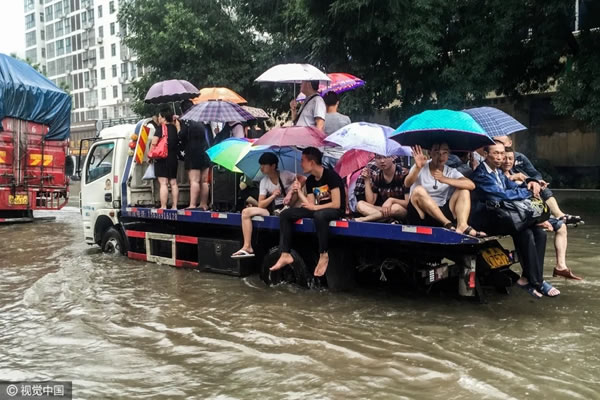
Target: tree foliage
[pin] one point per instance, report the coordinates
(413, 54)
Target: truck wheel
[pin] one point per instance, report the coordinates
(112, 242)
(295, 273)
(341, 273)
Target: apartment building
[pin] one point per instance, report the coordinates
(78, 45)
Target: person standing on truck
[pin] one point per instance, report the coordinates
(275, 193)
(313, 110)
(195, 139)
(439, 194)
(325, 201)
(384, 191)
(493, 186)
(165, 169)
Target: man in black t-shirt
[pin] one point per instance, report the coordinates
(325, 201)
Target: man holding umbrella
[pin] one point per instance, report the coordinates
(313, 109)
(438, 193)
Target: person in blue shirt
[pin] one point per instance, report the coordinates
(523, 165)
(491, 185)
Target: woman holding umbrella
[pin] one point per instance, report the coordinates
(165, 169)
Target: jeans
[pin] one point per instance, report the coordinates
(321, 219)
(530, 244)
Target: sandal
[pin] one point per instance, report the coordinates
(571, 219)
(478, 234)
(531, 290)
(450, 226)
(241, 253)
(545, 289)
(566, 273)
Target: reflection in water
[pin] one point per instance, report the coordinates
(127, 329)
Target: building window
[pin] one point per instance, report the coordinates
(67, 26)
(67, 6)
(60, 47)
(115, 92)
(30, 39)
(58, 10)
(113, 50)
(29, 5)
(99, 11)
(43, 34)
(43, 52)
(58, 29)
(102, 73)
(49, 13)
(30, 21)
(103, 93)
(112, 28)
(31, 55)
(101, 31)
(50, 31)
(67, 45)
(114, 71)
(102, 52)
(111, 7)
(41, 17)
(50, 50)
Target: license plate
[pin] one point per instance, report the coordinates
(495, 257)
(18, 200)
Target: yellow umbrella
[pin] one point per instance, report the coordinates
(219, 93)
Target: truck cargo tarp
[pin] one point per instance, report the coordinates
(27, 94)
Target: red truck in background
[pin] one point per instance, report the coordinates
(35, 119)
(32, 171)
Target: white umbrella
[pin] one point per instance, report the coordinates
(293, 73)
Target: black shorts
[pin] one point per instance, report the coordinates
(413, 217)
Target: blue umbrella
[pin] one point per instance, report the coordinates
(373, 138)
(289, 160)
(456, 128)
(494, 121)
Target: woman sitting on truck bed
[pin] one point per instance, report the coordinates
(165, 169)
(274, 194)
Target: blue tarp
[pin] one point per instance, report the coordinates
(27, 94)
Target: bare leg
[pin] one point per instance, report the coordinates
(424, 204)
(321, 267)
(194, 178)
(204, 189)
(460, 205)
(163, 192)
(560, 246)
(554, 208)
(284, 259)
(174, 193)
(247, 214)
(369, 212)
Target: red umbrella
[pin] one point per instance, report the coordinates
(351, 161)
(340, 82)
(301, 136)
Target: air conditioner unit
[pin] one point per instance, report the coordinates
(127, 99)
(121, 80)
(99, 40)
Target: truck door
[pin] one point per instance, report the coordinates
(97, 184)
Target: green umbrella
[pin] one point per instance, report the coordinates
(228, 152)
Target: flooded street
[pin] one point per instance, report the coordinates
(120, 328)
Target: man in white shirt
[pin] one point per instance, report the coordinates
(313, 110)
(439, 194)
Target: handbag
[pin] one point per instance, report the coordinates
(161, 149)
(274, 207)
(517, 215)
(149, 174)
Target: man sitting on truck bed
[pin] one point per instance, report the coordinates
(384, 191)
(439, 194)
(325, 201)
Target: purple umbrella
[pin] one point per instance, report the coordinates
(169, 91)
(217, 111)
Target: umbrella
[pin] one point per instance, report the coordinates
(170, 91)
(292, 73)
(217, 111)
(352, 160)
(456, 128)
(289, 160)
(257, 113)
(228, 152)
(370, 137)
(494, 121)
(340, 83)
(303, 136)
(219, 93)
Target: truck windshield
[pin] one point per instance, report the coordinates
(100, 162)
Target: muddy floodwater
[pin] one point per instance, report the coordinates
(120, 328)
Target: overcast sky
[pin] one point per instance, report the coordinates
(12, 27)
